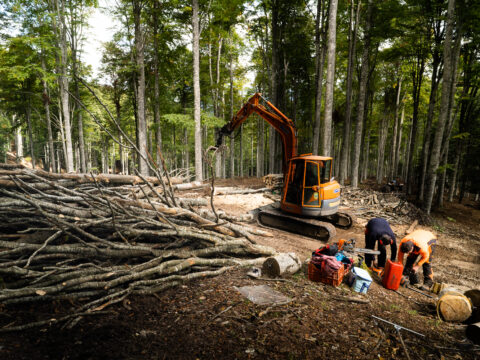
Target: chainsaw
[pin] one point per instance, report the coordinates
(349, 246)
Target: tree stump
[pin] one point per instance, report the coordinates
(453, 306)
(285, 263)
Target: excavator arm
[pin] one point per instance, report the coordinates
(282, 124)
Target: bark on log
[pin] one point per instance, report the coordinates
(85, 178)
(190, 186)
(235, 191)
(285, 263)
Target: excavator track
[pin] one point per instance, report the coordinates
(274, 218)
(342, 219)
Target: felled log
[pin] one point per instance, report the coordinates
(116, 179)
(236, 191)
(191, 185)
(284, 263)
(453, 306)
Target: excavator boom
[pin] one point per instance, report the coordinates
(282, 124)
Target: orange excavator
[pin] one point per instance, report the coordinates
(311, 197)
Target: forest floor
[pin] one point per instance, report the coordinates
(210, 319)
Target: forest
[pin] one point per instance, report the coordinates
(389, 89)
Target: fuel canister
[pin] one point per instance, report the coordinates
(392, 275)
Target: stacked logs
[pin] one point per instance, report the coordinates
(273, 181)
(69, 239)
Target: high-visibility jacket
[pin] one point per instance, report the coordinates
(422, 244)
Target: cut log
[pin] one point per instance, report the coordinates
(236, 191)
(81, 178)
(284, 263)
(189, 186)
(273, 181)
(453, 306)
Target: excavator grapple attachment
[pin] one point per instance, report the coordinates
(275, 218)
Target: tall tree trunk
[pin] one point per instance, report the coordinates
(218, 155)
(62, 133)
(417, 76)
(382, 139)
(156, 84)
(251, 173)
(46, 104)
(320, 54)
(18, 139)
(217, 81)
(275, 79)
(444, 108)
(81, 140)
(450, 122)
(361, 97)
(196, 93)
(396, 129)
(345, 151)
(63, 85)
(187, 152)
(260, 148)
(453, 181)
(232, 138)
(436, 29)
(240, 167)
(366, 137)
(443, 176)
(28, 114)
(399, 142)
(428, 128)
(332, 43)
(140, 85)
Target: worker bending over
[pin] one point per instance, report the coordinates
(419, 242)
(378, 230)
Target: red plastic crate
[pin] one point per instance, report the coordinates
(335, 279)
(313, 272)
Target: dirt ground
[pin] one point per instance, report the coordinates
(210, 319)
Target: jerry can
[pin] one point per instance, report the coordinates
(392, 275)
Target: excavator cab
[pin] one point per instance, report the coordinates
(309, 189)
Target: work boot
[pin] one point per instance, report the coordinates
(377, 270)
(413, 277)
(427, 283)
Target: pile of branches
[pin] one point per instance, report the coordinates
(98, 244)
(393, 207)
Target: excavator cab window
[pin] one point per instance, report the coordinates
(311, 175)
(310, 192)
(295, 184)
(325, 171)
